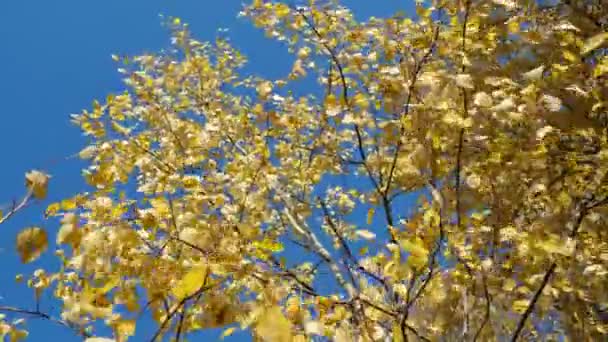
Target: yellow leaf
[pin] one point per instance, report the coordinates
(464, 81)
(272, 326)
(37, 182)
(264, 89)
(31, 243)
(418, 253)
(397, 336)
(190, 283)
(594, 42)
(509, 285)
(361, 101)
(513, 26)
(370, 215)
(473, 181)
(601, 68)
(343, 335)
(298, 69)
(227, 332)
(68, 232)
(313, 328)
(125, 327)
(534, 74)
(482, 99)
(281, 10)
(570, 56)
(520, 306)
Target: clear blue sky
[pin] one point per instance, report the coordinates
(55, 59)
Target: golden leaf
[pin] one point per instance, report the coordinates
(272, 326)
(482, 99)
(31, 243)
(534, 74)
(370, 215)
(227, 332)
(37, 182)
(473, 181)
(190, 283)
(125, 327)
(68, 232)
(509, 285)
(464, 81)
(520, 306)
(397, 336)
(264, 89)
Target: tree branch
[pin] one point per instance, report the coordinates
(45, 316)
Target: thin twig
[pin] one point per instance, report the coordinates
(43, 315)
(16, 207)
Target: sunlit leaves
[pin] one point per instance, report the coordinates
(31, 243)
(68, 232)
(434, 174)
(418, 253)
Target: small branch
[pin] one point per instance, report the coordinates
(580, 210)
(43, 315)
(16, 207)
(465, 109)
(410, 93)
(301, 228)
(486, 317)
(180, 305)
(180, 324)
(530, 308)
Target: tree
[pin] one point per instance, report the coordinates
(469, 145)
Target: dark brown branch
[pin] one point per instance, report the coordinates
(486, 317)
(180, 324)
(580, 211)
(530, 308)
(465, 109)
(345, 95)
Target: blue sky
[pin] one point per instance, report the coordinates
(55, 59)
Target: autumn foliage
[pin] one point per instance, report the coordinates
(445, 181)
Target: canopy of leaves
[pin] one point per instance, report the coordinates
(473, 137)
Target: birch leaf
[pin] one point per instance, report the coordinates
(31, 243)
